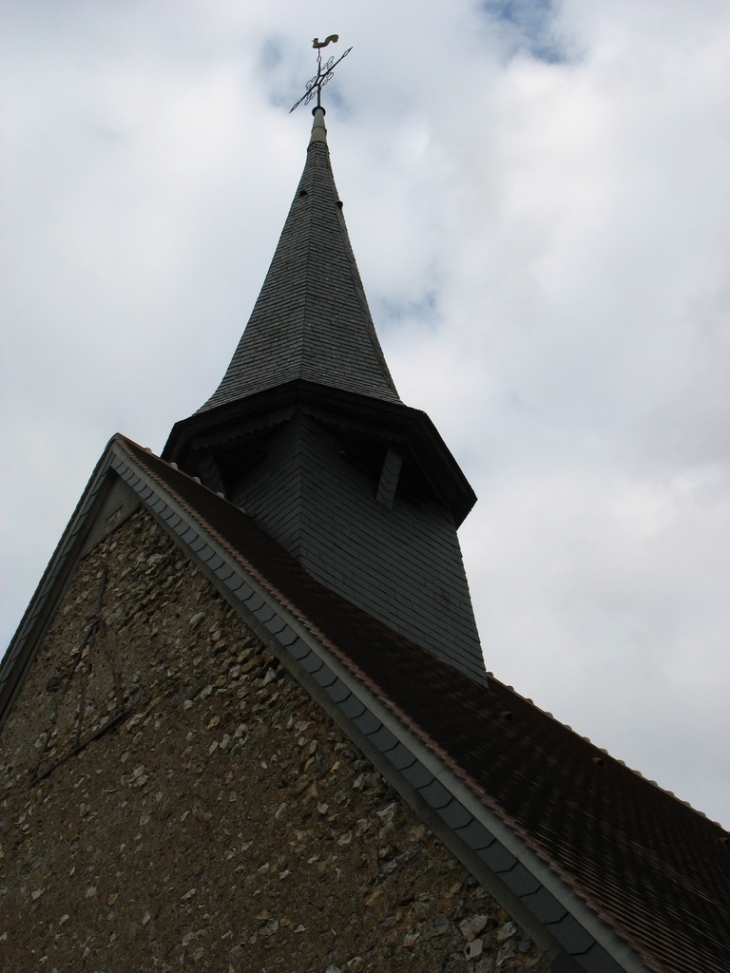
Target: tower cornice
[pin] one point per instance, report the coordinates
(220, 430)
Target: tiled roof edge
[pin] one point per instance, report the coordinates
(123, 451)
(602, 752)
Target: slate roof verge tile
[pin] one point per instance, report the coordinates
(286, 636)
(436, 795)
(275, 624)
(384, 740)
(519, 880)
(367, 723)
(400, 757)
(497, 858)
(417, 775)
(324, 677)
(299, 649)
(571, 936)
(475, 835)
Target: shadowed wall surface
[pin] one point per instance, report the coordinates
(173, 798)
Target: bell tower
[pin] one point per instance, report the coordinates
(307, 433)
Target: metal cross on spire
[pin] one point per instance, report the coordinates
(324, 72)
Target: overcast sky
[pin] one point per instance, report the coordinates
(537, 195)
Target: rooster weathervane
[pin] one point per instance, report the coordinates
(324, 72)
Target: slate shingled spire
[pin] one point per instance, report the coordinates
(307, 434)
(311, 320)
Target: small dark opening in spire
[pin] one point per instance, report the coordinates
(302, 192)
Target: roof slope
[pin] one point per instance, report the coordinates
(311, 319)
(653, 869)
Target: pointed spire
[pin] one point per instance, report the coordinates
(311, 320)
(307, 434)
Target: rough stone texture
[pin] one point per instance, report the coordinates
(172, 798)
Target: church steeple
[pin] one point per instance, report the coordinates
(307, 434)
(311, 320)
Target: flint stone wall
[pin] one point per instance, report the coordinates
(172, 799)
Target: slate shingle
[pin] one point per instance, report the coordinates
(311, 319)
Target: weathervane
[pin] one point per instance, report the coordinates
(324, 71)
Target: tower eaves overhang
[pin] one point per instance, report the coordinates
(393, 422)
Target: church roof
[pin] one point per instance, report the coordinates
(623, 874)
(311, 320)
(653, 869)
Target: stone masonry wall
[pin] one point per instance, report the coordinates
(170, 798)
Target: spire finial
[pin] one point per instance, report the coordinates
(324, 72)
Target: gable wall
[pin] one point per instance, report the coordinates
(212, 815)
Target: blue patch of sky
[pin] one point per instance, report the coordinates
(332, 97)
(105, 134)
(530, 27)
(392, 313)
(277, 69)
(271, 54)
